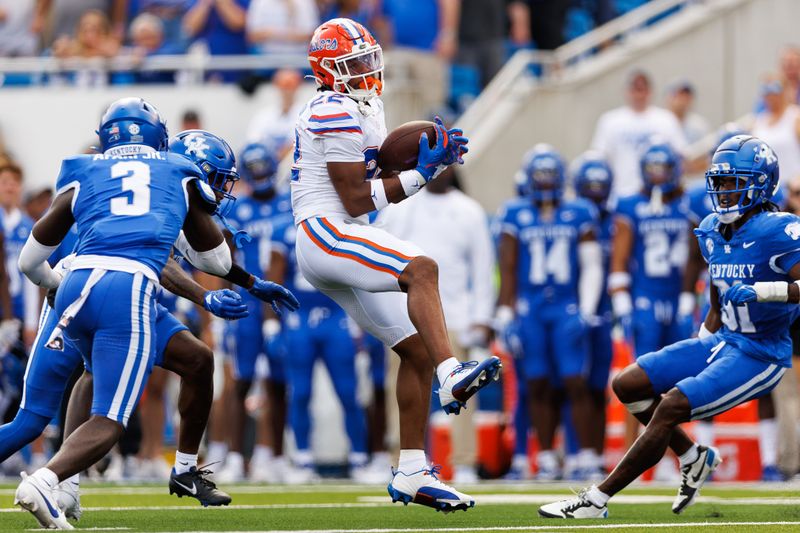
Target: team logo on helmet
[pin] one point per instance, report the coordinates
(134, 129)
(196, 144)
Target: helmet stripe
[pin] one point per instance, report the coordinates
(352, 30)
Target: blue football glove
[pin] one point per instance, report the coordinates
(739, 294)
(457, 146)
(225, 304)
(429, 159)
(274, 294)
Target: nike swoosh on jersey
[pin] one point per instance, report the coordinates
(192, 490)
(748, 244)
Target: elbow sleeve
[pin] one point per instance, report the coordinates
(33, 263)
(216, 261)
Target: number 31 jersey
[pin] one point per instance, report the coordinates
(765, 248)
(661, 244)
(332, 128)
(547, 261)
(131, 207)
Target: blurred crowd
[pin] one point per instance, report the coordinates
(464, 40)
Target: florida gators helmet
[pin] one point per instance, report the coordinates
(754, 165)
(215, 158)
(661, 167)
(132, 121)
(544, 168)
(592, 176)
(347, 59)
(259, 166)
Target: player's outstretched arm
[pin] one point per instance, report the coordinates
(45, 237)
(223, 303)
(619, 279)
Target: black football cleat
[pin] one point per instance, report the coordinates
(195, 484)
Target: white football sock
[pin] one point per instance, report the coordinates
(445, 368)
(46, 476)
(691, 455)
(74, 480)
(261, 454)
(704, 433)
(768, 442)
(411, 461)
(184, 462)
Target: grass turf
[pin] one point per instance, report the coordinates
(150, 508)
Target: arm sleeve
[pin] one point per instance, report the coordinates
(33, 263)
(482, 267)
(590, 282)
(33, 304)
(216, 261)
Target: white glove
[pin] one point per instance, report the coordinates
(621, 304)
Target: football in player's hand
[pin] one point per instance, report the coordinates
(400, 149)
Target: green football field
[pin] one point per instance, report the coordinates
(348, 508)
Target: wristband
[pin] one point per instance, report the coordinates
(686, 303)
(412, 181)
(378, 193)
(771, 291)
(618, 280)
(704, 332)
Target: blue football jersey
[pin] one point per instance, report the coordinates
(256, 218)
(700, 203)
(765, 248)
(661, 244)
(283, 240)
(132, 207)
(16, 228)
(547, 263)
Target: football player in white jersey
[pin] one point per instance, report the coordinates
(385, 284)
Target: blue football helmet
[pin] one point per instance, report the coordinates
(592, 177)
(661, 167)
(132, 121)
(215, 158)
(543, 167)
(728, 130)
(259, 166)
(754, 165)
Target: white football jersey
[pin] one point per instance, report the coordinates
(332, 128)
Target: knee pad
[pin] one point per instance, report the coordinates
(639, 407)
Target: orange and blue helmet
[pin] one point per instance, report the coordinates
(346, 58)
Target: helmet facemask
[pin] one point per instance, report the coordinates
(358, 74)
(221, 182)
(730, 203)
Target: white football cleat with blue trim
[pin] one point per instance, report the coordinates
(67, 495)
(467, 379)
(424, 488)
(578, 507)
(694, 475)
(36, 498)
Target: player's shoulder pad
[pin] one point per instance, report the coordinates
(195, 179)
(780, 225)
(626, 205)
(72, 171)
(709, 224)
(333, 113)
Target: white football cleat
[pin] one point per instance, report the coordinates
(467, 379)
(68, 498)
(423, 487)
(693, 476)
(36, 498)
(578, 507)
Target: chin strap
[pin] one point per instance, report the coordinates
(240, 237)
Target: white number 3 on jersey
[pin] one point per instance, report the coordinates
(135, 178)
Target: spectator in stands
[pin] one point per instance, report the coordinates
(680, 100)
(362, 11)
(482, 34)
(220, 25)
(191, 120)
(147, 39)
(169, 12)
(274, 126)
(281, 26)
(622, 134)
(779, 125)
(63, 17)
(544, 20)
(420, 38)
(790, 71)
(16, 36)
(93, 38)
(454, 229)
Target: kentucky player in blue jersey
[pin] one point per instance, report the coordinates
(254, 214)
(592, 181)
(743, 348)
(649, 252)
(130, 204)
(319, 331)
(551, 269)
